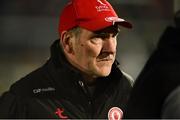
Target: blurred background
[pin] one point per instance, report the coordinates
(29, 27)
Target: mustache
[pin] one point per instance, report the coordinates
(105, 56)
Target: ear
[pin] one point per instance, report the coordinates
(66, 42)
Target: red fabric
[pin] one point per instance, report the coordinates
(90, 14)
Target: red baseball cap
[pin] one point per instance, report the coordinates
(89, 14)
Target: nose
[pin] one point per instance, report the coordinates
(110, 44)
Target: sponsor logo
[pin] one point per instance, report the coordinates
(114, 19)
(59, 113)
(115, 113)
(38, 90)
(102, 6)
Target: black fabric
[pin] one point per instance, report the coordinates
(158, 78)
(56, 87)
(171, 106)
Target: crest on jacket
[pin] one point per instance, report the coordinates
(115, 113)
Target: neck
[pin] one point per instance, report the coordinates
(88, 78)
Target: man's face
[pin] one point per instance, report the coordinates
(94, 52)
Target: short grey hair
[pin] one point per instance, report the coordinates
(76, 31)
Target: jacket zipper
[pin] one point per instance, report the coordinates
(86, 92)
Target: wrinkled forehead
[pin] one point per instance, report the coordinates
(110, 29)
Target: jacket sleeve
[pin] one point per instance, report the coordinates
(11, 106)
(171, 106)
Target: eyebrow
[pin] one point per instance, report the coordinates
(111, 29)
(102, 35)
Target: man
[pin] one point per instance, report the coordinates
(158, 79)
(81, 79)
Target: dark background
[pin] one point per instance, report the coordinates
(28, 27)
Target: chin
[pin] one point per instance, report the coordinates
(102, 70)
(104, 73)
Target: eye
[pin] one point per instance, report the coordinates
(96, 40)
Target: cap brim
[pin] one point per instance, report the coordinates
(124, 24)
(101, 24)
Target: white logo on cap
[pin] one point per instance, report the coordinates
(102, 6)
(115, 113)
(114, 19)
(101, 2)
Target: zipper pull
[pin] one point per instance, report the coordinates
(82, 86)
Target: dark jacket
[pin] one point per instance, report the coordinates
(56, 90)
(171, 106)
(158, 78)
